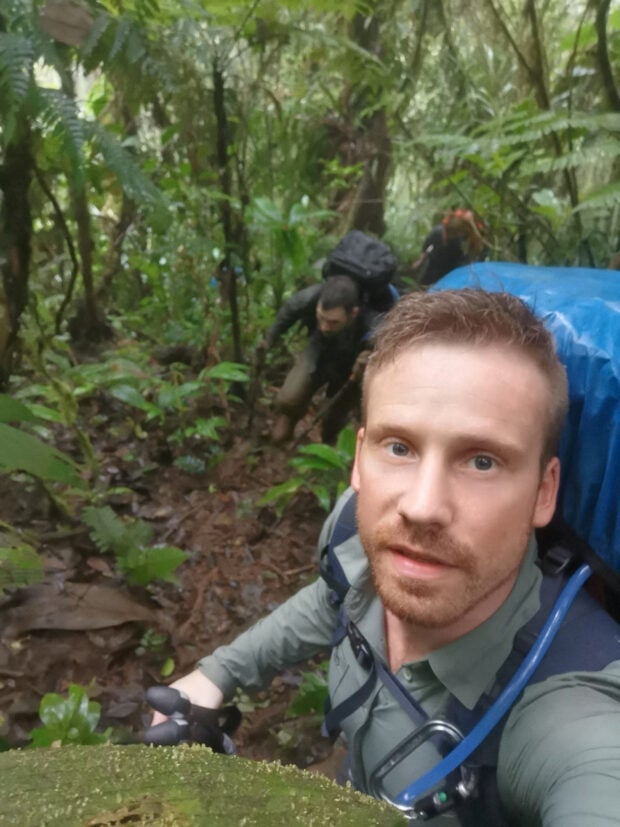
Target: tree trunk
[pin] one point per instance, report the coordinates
(89, 323)
(368, 207)
(367, 212)
(15, 235)
(223, 160)
(602, 54)
(102, 786)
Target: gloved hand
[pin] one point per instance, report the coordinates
(200, 691)
(189, 723)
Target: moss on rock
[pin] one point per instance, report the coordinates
(181, 786)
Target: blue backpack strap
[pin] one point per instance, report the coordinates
(588, 640)
(331, 570)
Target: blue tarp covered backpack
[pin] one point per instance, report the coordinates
(581, 307)
(586, 528)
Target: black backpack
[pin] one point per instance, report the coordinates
(366, 259)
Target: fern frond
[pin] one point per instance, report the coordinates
(97, 30)
(530, 132)
(123, 29)
(60, 114)
(106, 528)
(133, 181)
(602, 152)
(110, 533)
(16, 62)
(604, 198)
(533, 129)
(138, 534)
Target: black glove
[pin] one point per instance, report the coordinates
(188, 723)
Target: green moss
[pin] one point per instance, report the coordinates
(180, 786)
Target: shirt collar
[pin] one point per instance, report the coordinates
(468, 666)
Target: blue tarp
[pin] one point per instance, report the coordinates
(581, 307)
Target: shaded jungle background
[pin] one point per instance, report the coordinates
(169, 174)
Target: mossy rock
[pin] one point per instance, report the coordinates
(182, 786)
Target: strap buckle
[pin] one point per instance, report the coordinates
(360, 647)
(458, 787)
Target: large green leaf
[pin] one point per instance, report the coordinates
(320, 456)
(316, 463)
(228, 371)
(11, 410)
(284, 489)
(347, 439)
(70, 720)
(132, 396)
(22, 452)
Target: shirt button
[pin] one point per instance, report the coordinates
(408, 673)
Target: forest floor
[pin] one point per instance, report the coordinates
(84, 625)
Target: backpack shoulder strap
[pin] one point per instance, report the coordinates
(330, 568)
(588, 640)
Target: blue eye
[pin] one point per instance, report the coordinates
(398, 449)
(482, 462)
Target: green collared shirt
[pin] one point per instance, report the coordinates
(559, 760)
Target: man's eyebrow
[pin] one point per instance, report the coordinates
(486, 443)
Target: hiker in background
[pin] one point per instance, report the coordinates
(338, 326)
(340, 315)
(456, 241)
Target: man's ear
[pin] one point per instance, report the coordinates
(355, 312)
(355, 471)
(547, 496)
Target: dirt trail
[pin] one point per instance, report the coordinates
(85, 626)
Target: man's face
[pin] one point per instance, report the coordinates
(332, 321)
(447, 471)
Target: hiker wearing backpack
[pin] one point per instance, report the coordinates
(453, 243)
(339, 315)
(338, 329)
(431, 594)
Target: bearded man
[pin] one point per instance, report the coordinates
(455, 468)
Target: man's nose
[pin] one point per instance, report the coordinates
(428, 496)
